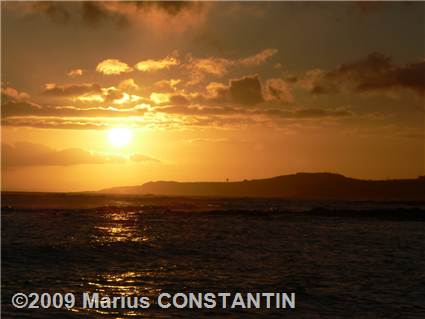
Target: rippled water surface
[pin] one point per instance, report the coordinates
(338, 266)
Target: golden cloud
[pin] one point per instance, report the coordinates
(153, 65)
(277, 89)
(54, 89)
(22, 154)
(32, 154)
(13, 93)
(159, 98)
(127, 98)
(259, 58)
(128, 84)
(167, 85)
(113, 67)
(220, 66)
(75, 73)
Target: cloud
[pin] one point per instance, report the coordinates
(377, 73)
(277, 66)
(23, 154)
(143, 158)
(56, 12)
(170, 7)
(210, 140)
(225, 113)
(128, 84)
(214, 66)
(112, 95)
(241, 101)
(12, 93)
(56, 123)
(113, 67)
(159, 98)
(26, 108)
(307, 113)
(154, 65)
(199, 67)
(31, 154)
(95, 13)
(54, 89)
(258, 58)
(179, 99)
(244, 91)
(88, 101)
(18, 108)
(199, 110)
(123, 12)
(75, 73)
(147, 118)
(277, 89)
(122, 95)
(167, 85)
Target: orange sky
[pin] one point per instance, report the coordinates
(209, 91)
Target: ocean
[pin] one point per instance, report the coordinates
(341, 259)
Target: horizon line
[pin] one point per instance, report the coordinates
(218, 181)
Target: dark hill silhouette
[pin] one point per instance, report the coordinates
(296, 186)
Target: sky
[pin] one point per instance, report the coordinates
(103, 94)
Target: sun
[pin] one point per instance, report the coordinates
(120, 136)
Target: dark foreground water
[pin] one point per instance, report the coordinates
(345, 260)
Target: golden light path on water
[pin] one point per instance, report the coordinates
(126, 284)
(120, 226)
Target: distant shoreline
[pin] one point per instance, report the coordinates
(300, 186)
(311, 186)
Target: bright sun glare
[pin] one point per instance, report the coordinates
(120, 136)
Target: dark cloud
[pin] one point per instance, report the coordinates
(11, 107)
(308, 113)
(178, 99)
(55, 11)
(54, 89)
(247, 91)
(25, 108)
(276, 112)
(172, 8)
(277, 89)
(199, 110)
(238, 102)
(54, 123)
(244, 91)
(31, 154)
(375, 73)
(94, 13)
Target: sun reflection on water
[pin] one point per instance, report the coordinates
(126, 284)
(121, 226)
